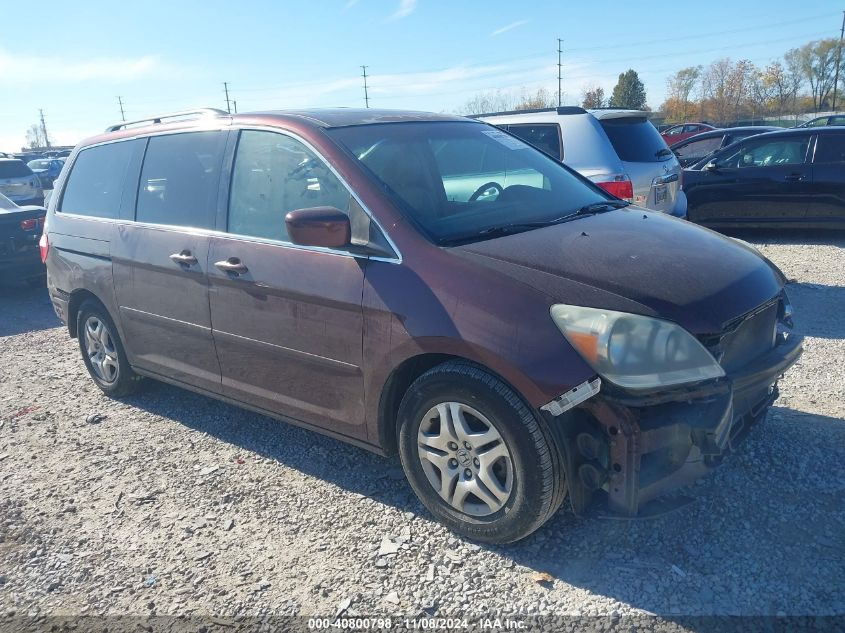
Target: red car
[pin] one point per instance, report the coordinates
(682, 131)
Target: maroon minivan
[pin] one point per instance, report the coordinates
(422, 284)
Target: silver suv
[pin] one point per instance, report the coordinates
(619, 150)
(19, 183)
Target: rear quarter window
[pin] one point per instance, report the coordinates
(830, 148)
(635, 140)
(95, 185)
(545, 137)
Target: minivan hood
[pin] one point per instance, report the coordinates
(635, 260)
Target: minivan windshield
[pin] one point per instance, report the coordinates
(465, 181)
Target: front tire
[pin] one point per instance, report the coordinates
(477, 457)
(103, 353)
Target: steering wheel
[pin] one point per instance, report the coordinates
(485, 188)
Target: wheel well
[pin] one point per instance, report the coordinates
(394, 390)
(77, 298)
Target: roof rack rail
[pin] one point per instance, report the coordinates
(169, 115)
(558, 110)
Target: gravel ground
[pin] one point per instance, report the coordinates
(175, 503)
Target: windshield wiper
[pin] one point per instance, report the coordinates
(517, 227)
(599, 207)
(663, 152)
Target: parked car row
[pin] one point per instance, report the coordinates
(431, 286)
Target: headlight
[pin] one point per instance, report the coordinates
(633, 351)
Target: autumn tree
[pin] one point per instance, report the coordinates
(679, 88)
(592, 97)
(541, 98)
(505, 100)
(629, 92)
(35, 137)
(725, 87)
(818, 64)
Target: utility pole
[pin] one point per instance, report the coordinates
(122, 114)
(235, 105)
(44, 129)
(226, 90)
(838, 58)
(366, 96)
(559, 72)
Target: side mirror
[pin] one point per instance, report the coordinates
(319, 226)
(710, 166)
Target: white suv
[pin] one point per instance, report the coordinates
(619, 150)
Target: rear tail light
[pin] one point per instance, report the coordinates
(44, 247)
(621, 187)
(32, 223)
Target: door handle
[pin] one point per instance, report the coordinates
(184, 258)
(232, 265)
(794, 177)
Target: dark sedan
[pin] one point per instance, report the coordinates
(791, 177)
(702, 145)
(20, 228)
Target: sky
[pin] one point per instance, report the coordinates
(74, 59)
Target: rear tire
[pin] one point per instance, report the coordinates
(477, 456)
(103, 353)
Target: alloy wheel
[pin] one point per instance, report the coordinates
(101, 350)
(465, 459)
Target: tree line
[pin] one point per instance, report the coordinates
(724, 91)
(727, 90)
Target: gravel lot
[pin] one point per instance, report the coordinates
(175, 503)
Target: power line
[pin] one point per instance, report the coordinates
(366, 96)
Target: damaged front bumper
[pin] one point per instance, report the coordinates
(630, 449)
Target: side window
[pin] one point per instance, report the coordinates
(689, 128)
(769, 153)
(95, 184)
(179, 179)
(672, 131)
(830, 148)
(274, 174)
(699, 149)
(546, 138)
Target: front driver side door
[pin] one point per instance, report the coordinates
(759, 181)
(287, 320)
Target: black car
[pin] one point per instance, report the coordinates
(835, 119)
(792, 177)
(693, 149)
(20, 228)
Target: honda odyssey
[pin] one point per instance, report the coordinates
(425, 285)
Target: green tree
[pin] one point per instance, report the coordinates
(629, 92)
